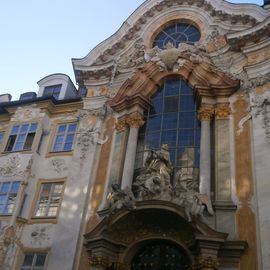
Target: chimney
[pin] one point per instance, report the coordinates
(5, 98)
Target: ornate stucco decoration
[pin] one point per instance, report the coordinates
(89, 132)
(209, 263)
(58, 165)
(173, 58)
(27, 113)
(259, 105)
(12, 167)
(39, 235)
(7, 238)
(206, 6)
(197, 69)
(206, 112)
(153, 183)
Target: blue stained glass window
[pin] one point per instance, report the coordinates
(172, 120)
(64, 137)
(177, 33)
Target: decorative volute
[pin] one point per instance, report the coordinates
(201, 76)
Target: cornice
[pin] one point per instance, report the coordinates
(50, 107)
(222, 10)
(253, 35)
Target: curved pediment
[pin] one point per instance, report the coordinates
(205, 14)
(189, 62)
(151, 218)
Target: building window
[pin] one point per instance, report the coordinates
(53, 90)
(64, 137)
(176, 34)
(49, 200)
(1, 137)
(34, 261)
(172, 120)
(8, 195)
(21, 137)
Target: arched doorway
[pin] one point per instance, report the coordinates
(160, 255)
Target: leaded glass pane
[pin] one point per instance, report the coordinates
(177, 33)
(172, 120)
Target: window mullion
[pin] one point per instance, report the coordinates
(17, 136)
(49, 200)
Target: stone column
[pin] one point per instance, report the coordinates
(134, 121)
(205, 115)
(222, 152)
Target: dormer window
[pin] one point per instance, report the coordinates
(53, 90)
(177, 33)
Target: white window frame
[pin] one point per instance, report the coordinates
(51, 195)
(19, 133)
(8, 195)
(65, 134)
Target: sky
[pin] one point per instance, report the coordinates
(38, 38)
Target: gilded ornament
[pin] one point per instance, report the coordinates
(208, 263)
(222, 112)
(99, 261)
(135, 121)
(205, 113)
(120, 125)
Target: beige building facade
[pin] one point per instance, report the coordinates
(159, 160)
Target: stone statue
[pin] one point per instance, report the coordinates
(154, 181)
(159, 162)
(118, 198)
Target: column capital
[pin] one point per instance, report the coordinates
(222, 111)
(202, 263)
(206, 112)
(120, 125)
(99, 261)
(135, 120)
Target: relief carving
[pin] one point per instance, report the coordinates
(89, 134)
(154, 183)
(7, 239)
(259, 105)
(39, 235)
(27, 113)
(58, 165)
(172, 58)
(134, 59)
(12, 167)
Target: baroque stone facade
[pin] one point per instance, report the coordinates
(162, 164)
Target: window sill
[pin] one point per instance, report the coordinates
(60, 153)
(35, 220)
(20, 151)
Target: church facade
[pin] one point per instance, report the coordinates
(159, 160)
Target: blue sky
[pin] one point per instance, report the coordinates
(39, 38)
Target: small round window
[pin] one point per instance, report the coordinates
(176, 34)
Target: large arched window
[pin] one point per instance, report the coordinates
(177, 33)
(172, 120)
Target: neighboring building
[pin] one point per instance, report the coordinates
(159, 161)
